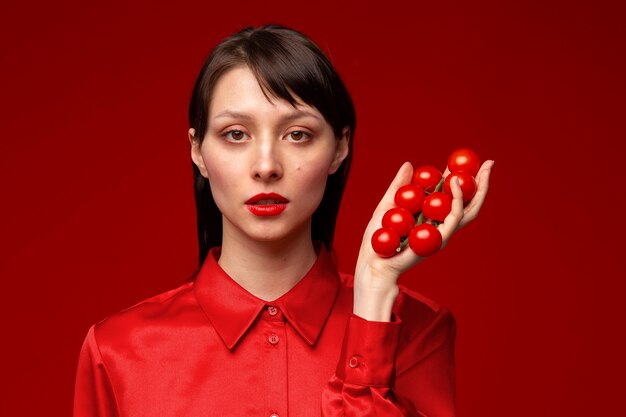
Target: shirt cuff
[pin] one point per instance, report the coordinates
(368, 354)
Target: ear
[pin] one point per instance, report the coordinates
(342, 150)
(196, 155)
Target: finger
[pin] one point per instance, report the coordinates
(453, 219)
(473, 208)
(482, 185)
(402, 177)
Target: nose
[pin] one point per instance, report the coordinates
(266, 165)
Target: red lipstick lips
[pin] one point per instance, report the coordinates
(263, 204)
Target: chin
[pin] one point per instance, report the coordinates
(275, 233)
(273, 236)
(269, 230)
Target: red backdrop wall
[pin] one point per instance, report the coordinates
(97, 201)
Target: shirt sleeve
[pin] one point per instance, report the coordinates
(365, 382)
(93, 394)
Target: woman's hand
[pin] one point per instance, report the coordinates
(375, 278)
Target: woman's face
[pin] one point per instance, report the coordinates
(267, 162)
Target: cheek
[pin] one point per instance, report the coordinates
(316, 162)
(315, 169)
(312, 179)
(223, 179)
(221, 166)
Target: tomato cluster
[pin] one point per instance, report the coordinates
(421, 206)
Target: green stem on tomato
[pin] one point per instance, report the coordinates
(439, 186)
(403, 244)
(405, 241)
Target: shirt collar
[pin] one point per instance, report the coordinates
(232, 309)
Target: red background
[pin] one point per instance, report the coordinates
(97, 202)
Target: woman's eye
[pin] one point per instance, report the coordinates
(298, 136)
(235, 135)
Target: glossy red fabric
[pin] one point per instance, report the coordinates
(212, 348)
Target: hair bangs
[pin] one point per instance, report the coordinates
(292, 74)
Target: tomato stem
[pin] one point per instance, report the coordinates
(439, 186)
(405, 241)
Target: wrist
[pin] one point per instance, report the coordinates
(374, 302)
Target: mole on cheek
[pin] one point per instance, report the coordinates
(297, 167)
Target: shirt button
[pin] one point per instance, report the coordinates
(354, 362)
(272, 310)
(274, 415)
(273, 339)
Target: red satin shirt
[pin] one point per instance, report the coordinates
(212, 348)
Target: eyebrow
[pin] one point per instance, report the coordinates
(296, 114)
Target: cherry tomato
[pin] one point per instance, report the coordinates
(425, 239)
(437, 206)
(467, 183)
(399, 219)
(427, 177)
(385, 241)
(464, 160)
(410, 197)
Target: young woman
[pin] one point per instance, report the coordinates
(268, 327)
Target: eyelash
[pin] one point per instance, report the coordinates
(229, 132)
(306, 135)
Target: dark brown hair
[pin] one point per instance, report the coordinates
(287, 65)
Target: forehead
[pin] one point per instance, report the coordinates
(238, 92)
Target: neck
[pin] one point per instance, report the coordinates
(267, 269)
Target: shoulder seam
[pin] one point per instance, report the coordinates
(150, 300)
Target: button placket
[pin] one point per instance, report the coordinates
(275, 362)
